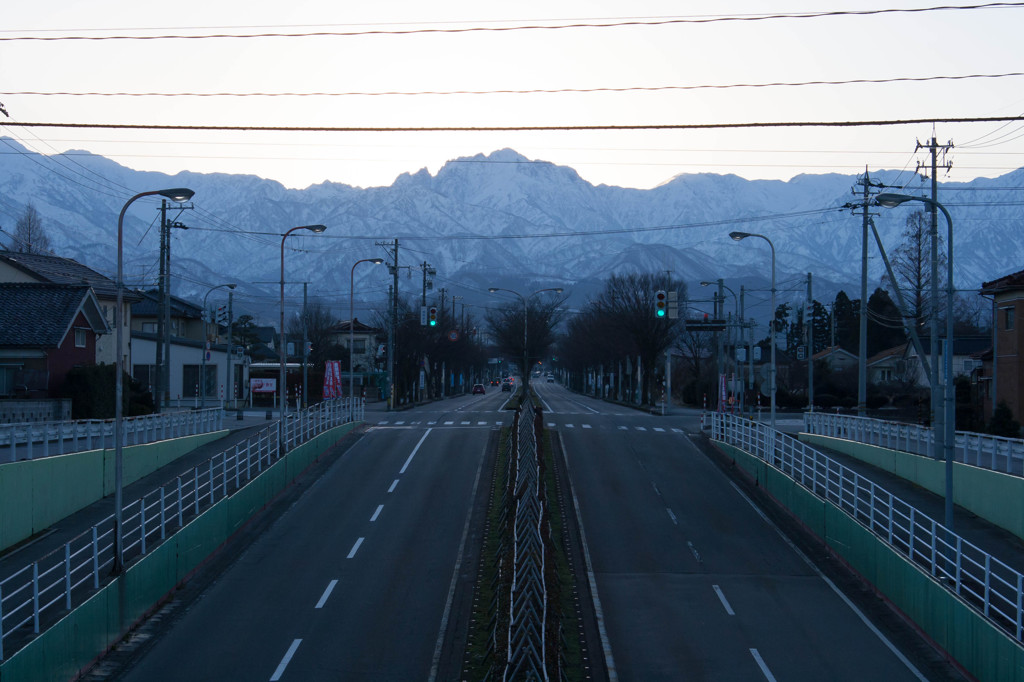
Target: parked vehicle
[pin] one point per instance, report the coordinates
(479, 388)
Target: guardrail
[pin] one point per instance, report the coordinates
(30, 440)
(982, 450)
(988, 585)
(38, 594)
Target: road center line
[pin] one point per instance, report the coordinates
(414, 451)
(355, 548)
(376, 513)
(394, 485)
(326, 594)
(721, 598)
(285, 661)
(761, 664)
(672, 516)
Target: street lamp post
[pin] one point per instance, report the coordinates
(526, 313)
(949, 401)
(721, 304)
(202, 363)
(283, 350)
(177, 195)
(351, 319)
(740, 236)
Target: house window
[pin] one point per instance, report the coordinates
(80, 338)
(1008, 319)
(149, 327)
(359, 346)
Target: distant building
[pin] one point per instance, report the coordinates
(1001, 377)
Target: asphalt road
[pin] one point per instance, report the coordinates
(693, 581)
(354, 580)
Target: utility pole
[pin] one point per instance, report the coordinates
(305, 344)
(393, 327)
(719, 314)
(163, 317)
(862, 356)
(937, 417)
(229, 382)
(809, 326)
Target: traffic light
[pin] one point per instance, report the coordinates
(222, 315)
(432, 317)
(660, 303)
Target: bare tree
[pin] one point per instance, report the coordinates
(29, 236)
(506, 327)
(911, 264)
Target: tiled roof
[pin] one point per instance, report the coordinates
(149, 306)
(1011, 281)
(37, 315)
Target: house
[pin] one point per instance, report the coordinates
(965, 348)
(45, 331)
(189, 336)
(836, 358)
(1003, 370)
(35, 267)
(366, 350)
(888, 366)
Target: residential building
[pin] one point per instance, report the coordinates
(45, 331)
(1001, 379)
(836, 358)
(965, 348)
(35, 267)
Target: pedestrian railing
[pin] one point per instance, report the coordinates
(997, 453)
(988, 585)
(37, 595)
(30, 440)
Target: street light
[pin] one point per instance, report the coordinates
(351, 318)
(202, 364)
(526, 313)
(283, 351)
(888, 200)
(740, 236)
(177, 195)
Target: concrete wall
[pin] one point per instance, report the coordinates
(996, 497)
(35, 494)
(983, 650)
(60, 652)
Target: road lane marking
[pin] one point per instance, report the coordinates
(694, 552)
(659, 429)
(568, 426)
(414, 451)
(376, 513)
(394, 484)
(355, 548)
(455, 575)
(326, 594)
(623, 428)
(399, 423)
(677, 430)
(448, 423)
(481, 423)
(551, 425)
(381, 423)
(285, 661)
(465, 423)
(587, 426)
(641, 428)
(672, 516)
(721, 598)
(864, 619)
(761, 664)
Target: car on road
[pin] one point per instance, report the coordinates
(479, 388)
(551, 379)
(506, 386)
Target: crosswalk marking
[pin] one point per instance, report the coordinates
(448, 423)
(481, 423)
(623, 428)
(568, 426)
(641, 428)
(659, 429)
(465, 423)
(586, 426)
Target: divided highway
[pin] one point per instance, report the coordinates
(357, 579)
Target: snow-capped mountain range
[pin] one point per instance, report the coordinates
(494, 220)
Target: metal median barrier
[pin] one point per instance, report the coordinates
(36, 596)
(1005, 455)
(987, 585)
(31, 440)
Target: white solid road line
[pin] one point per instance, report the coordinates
(762, 665)
(285, 661)
(326, 594)
(721, 598)
(376, 513)
(355, 548)
(414, 451)
(394, 485)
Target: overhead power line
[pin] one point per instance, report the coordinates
(471, 129)
(535, 91)
(530, 27)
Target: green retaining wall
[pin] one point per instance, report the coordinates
(996, 497)
(978, 646)
(61, 651)
(35, 494)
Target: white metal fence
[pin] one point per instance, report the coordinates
(982, 450)
(31, 440)
(990, 586)
(38, 594)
